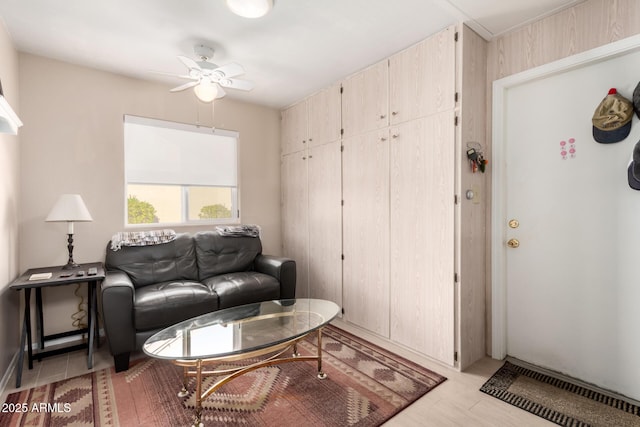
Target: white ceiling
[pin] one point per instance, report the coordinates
(297, 49)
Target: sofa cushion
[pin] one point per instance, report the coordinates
(219, 255)
(146, 265)
(241, 288)
(163, 304)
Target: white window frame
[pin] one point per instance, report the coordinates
(235, 191)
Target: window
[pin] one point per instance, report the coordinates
(179, 174)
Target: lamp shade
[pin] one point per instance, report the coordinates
(69, 207)
(250, 8)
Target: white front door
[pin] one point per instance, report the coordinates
(571, 287)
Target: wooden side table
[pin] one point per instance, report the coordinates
(57, 277)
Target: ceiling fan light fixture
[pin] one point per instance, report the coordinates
(206, 91)
(250, 8)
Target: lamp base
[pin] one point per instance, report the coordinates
(71, 263)
(70, 266)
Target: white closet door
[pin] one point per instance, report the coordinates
(422, 78)
(294, 128)
(295, 225)
(422, 235)
(325, 222)
(365, 100)
(366, 230)
(324, 116)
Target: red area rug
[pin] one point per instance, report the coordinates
(366, 386)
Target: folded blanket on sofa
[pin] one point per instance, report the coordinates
(141, 238)
(238, 230)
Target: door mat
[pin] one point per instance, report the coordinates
(558, 401)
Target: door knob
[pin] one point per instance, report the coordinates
(514, 223)
(513, 243)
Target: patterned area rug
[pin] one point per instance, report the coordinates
(366, 386)
(558, 401)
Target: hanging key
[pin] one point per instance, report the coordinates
(472, 155)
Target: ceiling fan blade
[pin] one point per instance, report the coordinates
(230, 70)
(180, 76)
(184, 86)
(189, 63)
(236, 84)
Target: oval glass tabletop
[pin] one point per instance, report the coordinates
(240, 329)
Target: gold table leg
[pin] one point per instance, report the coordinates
(295, 350)
(233, 373)
(198, 419)
(184, 392)
(321, 374)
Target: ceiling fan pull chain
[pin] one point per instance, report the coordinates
(213, 108)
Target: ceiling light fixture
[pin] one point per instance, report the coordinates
(250, 8)
(9, 121)
(206, 91)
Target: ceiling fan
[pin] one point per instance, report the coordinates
(208, 79)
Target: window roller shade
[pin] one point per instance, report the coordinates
(158, 152)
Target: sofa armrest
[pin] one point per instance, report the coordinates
(283, 269)
(117, 294)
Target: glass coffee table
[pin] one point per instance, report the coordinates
(266, 332)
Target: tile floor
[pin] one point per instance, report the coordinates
(456, 402)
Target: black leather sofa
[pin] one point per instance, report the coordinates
(148, 288)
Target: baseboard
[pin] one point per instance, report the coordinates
(50, 343)
(394, 347)
(8, 374)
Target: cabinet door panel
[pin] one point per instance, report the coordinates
(324, 116)
(325, 223)
(295, 226)
(294, 128)
(365, 100)
(422, 78)
(366, 231)
(422, 235)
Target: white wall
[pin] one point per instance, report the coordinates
(9, 198)
(73, 143)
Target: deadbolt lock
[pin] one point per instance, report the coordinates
(513, 243)
(514, 223)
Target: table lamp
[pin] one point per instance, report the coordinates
(69, 208)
